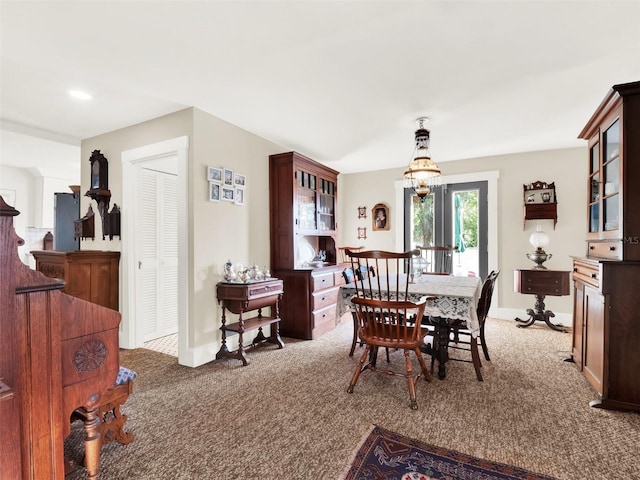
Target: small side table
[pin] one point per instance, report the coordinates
(241, 298)
(541, 282)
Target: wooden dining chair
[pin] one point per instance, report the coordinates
(391, 324)
(459, 329)
(342, 253)
(379, 274)
(437, 260)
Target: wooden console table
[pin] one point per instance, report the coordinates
(241, 298)
(541, 282)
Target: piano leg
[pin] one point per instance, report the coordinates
(92, 443)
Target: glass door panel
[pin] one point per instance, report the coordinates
(611, 142)
(306, 200)
(612, 177)
(611, 215)
(326, 207)
(454, 214)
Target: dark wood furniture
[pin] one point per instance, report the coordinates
(384, 316)
(91, 275)
(541, 282)
(242, 298)
(451, 333)
(58, 353)
(111, 420)
(606, 327)
(303, 201)
(540, 202)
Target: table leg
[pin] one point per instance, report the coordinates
(538, 313)
(441, 345)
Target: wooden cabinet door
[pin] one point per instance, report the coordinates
(594, 337)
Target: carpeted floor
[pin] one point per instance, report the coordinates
(287, 414)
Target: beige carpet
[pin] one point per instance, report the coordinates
(287, 414)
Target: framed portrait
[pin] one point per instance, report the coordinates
(380, 217)
(228, 194)
(239, 180)
(214, 174)
(214, 191)
(362, 212)
(239, 196)
(228, 177)
(362, 232)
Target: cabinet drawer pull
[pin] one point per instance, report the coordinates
(612, 248)
(593, 275)
(591, 247)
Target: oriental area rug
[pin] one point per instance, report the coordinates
(387, 455)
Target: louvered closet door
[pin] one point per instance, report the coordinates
(158, 265)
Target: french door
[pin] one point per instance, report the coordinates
(452, 214)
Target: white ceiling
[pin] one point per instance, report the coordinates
(341, 82)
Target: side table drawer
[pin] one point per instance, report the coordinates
(608, 250)
(543, 282)
(262, 289)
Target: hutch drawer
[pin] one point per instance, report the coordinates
(608, 250)
(322, 281)
(324, 298)
(587, 272)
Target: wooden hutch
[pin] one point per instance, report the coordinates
(303, 201)
(606, 319)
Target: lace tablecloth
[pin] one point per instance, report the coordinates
(456, 298)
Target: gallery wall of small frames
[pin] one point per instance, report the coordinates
(226, 185)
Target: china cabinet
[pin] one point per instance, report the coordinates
(606, 325)
(303, 200)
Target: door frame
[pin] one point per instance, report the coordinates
(130, 333)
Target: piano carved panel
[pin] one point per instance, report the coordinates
(57, 353)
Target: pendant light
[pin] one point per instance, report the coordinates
(422, 173)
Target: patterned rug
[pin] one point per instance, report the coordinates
(390, 456)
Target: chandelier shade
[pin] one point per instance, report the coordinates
(422, 173)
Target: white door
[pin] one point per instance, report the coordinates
(158, 249)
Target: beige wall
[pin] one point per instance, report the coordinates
(567, 168)
(217, 231)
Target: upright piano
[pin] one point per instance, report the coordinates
(58, 353)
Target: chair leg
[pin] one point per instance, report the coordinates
(359, 369)
(484, 345)
(355, 334)
(475, 356)
(425, 373)
(413, 403)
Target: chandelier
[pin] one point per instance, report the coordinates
(422, 173)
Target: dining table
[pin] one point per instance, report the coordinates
(449, 300)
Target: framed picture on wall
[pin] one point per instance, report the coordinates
(240, 180)
(239, 196)
(228, 194)
(214, 174)
(228, 177)
(214, 191)
(380, 217)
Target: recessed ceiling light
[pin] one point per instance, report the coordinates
(80, 95)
